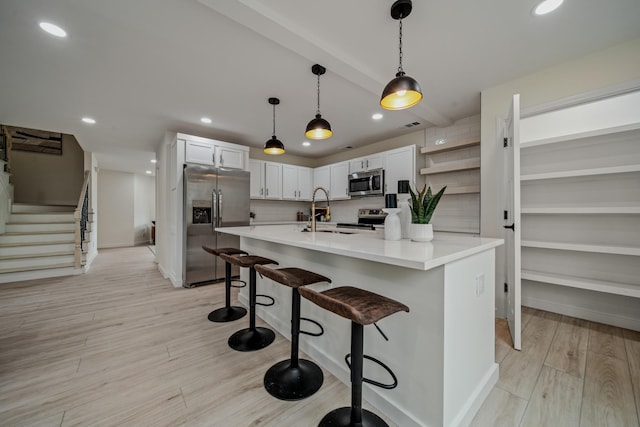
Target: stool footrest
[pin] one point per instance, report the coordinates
(372, 382)
(265, 304)
(241, 285)
(313, 334)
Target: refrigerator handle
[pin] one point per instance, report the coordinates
(220, 205)
(214, 213)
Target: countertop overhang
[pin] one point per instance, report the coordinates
(371, 246)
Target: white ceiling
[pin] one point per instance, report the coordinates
(144, 67)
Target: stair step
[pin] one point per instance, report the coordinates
(30, 227)
(31, 208)
(41, 217)
(36, 237)
(31, 263)
(31, 250)
(39, 272)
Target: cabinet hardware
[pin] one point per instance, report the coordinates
(512, 226)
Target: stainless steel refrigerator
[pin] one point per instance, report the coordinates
(213, 197)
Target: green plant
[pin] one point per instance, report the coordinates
(423, 204)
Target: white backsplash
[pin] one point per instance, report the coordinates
(341, 210)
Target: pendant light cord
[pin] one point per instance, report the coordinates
(318, 110)
(274, 121)
(400, 70)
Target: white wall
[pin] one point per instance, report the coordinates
(126, 207)
(615, 65)
(144, 208)
(47, 178)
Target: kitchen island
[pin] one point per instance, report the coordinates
(442, 351)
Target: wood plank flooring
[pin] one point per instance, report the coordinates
(121, 346)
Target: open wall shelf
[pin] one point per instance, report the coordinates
(458, 165)
(450, 145)
(625, 289)
(602, 249)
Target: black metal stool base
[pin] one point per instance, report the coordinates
(341, 417)
(286, 382)
(251, 339)
(227, 314)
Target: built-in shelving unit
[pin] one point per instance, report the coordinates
(453, 159)
(580, 209)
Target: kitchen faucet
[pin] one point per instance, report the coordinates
(313, 206)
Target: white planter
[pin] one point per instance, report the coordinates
(421, 232)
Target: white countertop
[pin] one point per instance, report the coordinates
(370, 245)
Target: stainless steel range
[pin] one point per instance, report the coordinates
(368, 219)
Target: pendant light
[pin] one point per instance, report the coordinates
(318, 128)
(403, 91)
(274, 145)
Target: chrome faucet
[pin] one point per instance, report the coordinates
(313, 206)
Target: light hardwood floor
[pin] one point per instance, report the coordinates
(121, 346)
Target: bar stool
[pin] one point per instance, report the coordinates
(294, 378)
(251, 338)
(362, 308)
(228, 313)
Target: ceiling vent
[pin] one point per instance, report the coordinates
(410, 125)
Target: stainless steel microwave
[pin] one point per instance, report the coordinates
(369, 183)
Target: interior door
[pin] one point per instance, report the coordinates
(512, 220)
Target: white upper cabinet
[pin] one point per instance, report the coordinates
(211, 152)
(366, 163)
(297, 182)
(399, 164)
(339, 188)
(200, 152)
(322, 178)
(265, 180)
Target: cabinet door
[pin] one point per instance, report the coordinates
(256, 179)
(357, 165)
(373, 162)
(305, 183)
(289, 182)
(339, 181)
(230, 158)
(322, 178)
(199, 152)
(273, 180)
(399, 164)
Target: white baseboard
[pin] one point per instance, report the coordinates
(582, 313)
(175, 282)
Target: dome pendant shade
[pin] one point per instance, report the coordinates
(274, 145)
(400, 93)
(403, 91)
(318, 128)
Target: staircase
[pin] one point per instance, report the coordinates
(39, 242)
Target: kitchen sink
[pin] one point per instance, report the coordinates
(306, 230)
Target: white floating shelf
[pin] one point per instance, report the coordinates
(458, 165)
(583, 210)
(581, 172)
(574, 136)
(469, 189)
(448, 146)
(603, 249)
(625, 289)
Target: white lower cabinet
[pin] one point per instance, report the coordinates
(265, 180)
(297, 182)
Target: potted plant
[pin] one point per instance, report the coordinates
(423, 204)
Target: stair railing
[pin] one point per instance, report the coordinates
(81, 218)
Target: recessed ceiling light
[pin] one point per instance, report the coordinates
(89, 120)
(149, 172)
(206, 120)
(546, 6)
(306, 144)
(154, 161)
(53, 29)
(377, 116)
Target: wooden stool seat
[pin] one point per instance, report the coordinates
(357, 305)
(228, 313)
(247, 261)
(294, 378)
